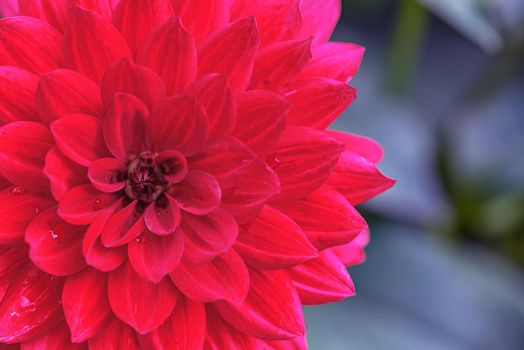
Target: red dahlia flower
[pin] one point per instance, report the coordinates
(168, 179)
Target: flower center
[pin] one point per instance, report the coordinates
(145, 180)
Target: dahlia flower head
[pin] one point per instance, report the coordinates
(167, 177)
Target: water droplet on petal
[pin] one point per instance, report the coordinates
(96, 204)
(138, 239)
(37, 211)
(18, 190)
(54, 235)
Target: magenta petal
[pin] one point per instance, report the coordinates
(17, 210)
(116, 336)
(17, 93)
(106, 174)
(126, 77)
(184, 330)
(136, 301)
(173, 164)
(153, 257)
(86, 307)
(79, 137)
(124, 126)
(55, 339)
(322, 280)
(22, 155)
(82, 204)
(215, 96)
(206, 236)
(63, 173)
(96, 254)
(225, 277)
(180, 123)
(123, 226)
(271, 310)
(198, 194)
(163, 216)
(55, 246)
(31, 306)
(274, 241)
(62, 92)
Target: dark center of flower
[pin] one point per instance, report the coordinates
(145, 180)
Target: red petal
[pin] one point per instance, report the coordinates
(17, 210)
(236, 46)
(123, 226)
(202, 17)
(224, 278)
(53, 12)
(180, 124)
(22, 155)
(361, 145)
(31, 306)
(184, 330)
(226, 158)
(79, 137)
(85, 303)
(127, 77)
(136, 19)
(106, 174)
(318, 102)
(247, 197)
(174, 166)
(91, 44)
(153, 257)
(338, 61)
(261, 120)
(271, 310)
(55, 246)
(277, 65)
(298, 343)
(82, 204)
(326, 217)
(303, 160)
(12, 261)
(9, 8)
(31, 44)
(96, 254)
(274, 241)
(57, 338)
(319, 18)
(209, 235)
(170, 51)
(105, 8)
(63, 92)
(213, 93)
(278, 20)
(322, 280)
(353, 253)
(163, 218)
(136, 301)
(117, 336)
(198, 194)
(17, 93)
(221, 335)
(358, 179)
(124, 126)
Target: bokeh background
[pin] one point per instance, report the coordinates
(442, 88)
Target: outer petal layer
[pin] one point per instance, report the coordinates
(271, 310)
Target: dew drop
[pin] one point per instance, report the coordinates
(54, 235)
(37, 211)
(96, 204)
(18, 190)
(138, 239)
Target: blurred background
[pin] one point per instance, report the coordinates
(442, 88)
